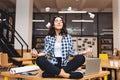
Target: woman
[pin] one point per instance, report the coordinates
(59, 46)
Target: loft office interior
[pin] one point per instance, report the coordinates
(30, 21)
(84, 19)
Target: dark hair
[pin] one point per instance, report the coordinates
(52, 32)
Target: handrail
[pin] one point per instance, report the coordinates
(22, 39)
(17, 34)
(5, 45)
(21, 45)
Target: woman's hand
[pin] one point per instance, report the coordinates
(76, 53)
(35, 53)
(88, 51)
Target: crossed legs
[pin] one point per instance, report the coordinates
(51, 70)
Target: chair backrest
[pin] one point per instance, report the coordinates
(27, 55)
(103, 56)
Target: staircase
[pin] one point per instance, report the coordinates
(7, 36)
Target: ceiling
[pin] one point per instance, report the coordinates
(58, 5)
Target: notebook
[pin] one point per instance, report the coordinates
(92, 66)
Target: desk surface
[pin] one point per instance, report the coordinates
(38, 76)
(106, 64)
(23, 59)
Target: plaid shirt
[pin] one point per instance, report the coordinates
(67, 49)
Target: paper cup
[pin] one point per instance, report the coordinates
(111, 63)
(116, 63)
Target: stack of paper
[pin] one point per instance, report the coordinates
(23, 69)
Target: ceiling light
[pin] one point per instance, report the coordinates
(72, 11)
(82, 20)
(38, 20)
(4, 19)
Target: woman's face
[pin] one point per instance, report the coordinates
(58, 23)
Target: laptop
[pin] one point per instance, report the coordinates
(92, 66)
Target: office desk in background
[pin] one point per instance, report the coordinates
(106, 65)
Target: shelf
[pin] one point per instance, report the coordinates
(106, 45)
(107, 49)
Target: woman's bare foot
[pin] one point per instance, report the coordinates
(64, 74)
(72, 75)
